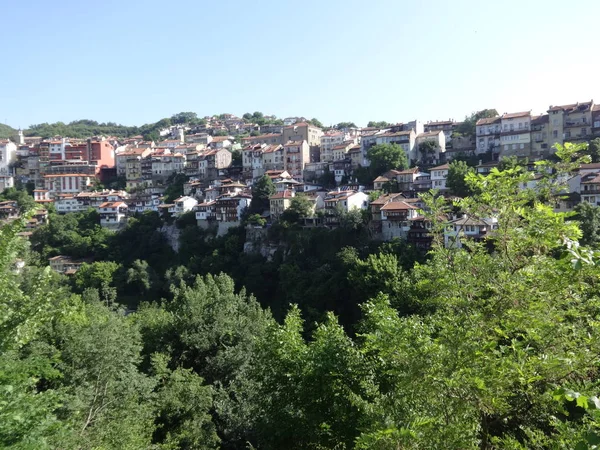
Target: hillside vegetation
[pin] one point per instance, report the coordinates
(6, 131)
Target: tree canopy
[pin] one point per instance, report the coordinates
(384, 157)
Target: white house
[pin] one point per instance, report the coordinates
(469, 228)
(8, 154)
(396, 217)
(182, 205)
(438, 177)
(515, 136)
(6, 181)
(113, 215)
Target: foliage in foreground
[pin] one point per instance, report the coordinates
(493, 345)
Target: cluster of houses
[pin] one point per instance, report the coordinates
(226, 155)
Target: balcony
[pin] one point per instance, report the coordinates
(578, 123)
(592, 191)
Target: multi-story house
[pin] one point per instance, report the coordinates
(438, 177)
(571, 122)
(540, 136)
(8, 155)
(296, 155)
(252, 161)
(340, 151)
(407, 139)
(468, 228)
(279, 202)
(375, 207)
(328, 141)
(303, 132)
(439, 151)
(205, 213)
(230, 209)
(269, 139)
(355, 155)
(221, 142)
(341, 169)
(122, 158)
(9, 210)
(273, 158)
(113, 215)
(59, 184)
(6, 181)
(396, 219)
(487, 132)
(343, 202)
(515, 137)
(181, 205)
(142, 202)
(596, 121)
(447, 126)
(213, 161)
(314, 171)
(590, 188)
(65, 264)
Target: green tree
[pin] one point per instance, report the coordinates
(588, 216)
(257, 220)
(594, 149)
(457, 173)
(184, 117)
(174, 185)
(467, 127)
(236, 158)
(300, 207)
(343, 125)
(384, 157)
(261, 191)
(381, 124)
(316, 122)
(97, 275)
(141, 277)
(428, 150)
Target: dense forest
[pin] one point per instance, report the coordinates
(334, 342)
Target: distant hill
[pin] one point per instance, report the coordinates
(6, 131)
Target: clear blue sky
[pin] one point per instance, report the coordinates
(134, 62)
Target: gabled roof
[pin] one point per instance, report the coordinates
(515, 115)
(489, 121)
(442, 167)
(397, 206)
(470, 221)
(282, 194)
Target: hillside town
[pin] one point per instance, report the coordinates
(219, 162)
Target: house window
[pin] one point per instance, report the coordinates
(514, 146)
(583, 131)
(522, 146)
(555, 134)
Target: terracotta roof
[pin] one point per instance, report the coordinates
(381, 179)
(442, 167)
(517, 114)
(221, 138)
(293, 143)
(272, 148)
(112, 204)
(590, 166)
(430, 133)
(489, 121)
(397, 133)
(471, 221)
(340, 147)
(282, 194)
(571, 107)
(397, 206)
